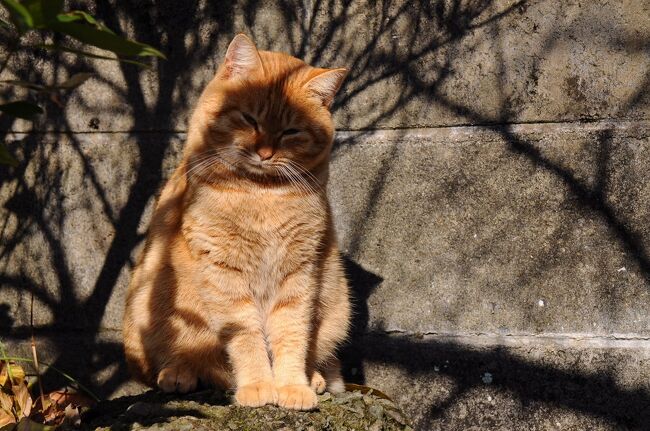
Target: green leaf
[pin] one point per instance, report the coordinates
(104, 39)
(75, 81)
(35, 10)
(56, 47)
(19, 15)
(6, 158)
(25, 110)
(43, 11)
(51, 8)
(78, 15)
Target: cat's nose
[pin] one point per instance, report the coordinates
(265, 152)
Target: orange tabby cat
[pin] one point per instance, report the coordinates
(240, 283)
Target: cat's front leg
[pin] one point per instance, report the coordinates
(289, 326)
(248, 356)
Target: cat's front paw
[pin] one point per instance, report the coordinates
(297, 397)
(318, 382)
(256, 395)
(176, 379)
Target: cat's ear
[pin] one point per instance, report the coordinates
(242, 58)
(325, 85)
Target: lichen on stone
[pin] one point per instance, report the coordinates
(210, 410)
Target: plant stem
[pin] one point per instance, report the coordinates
(6, 360)
(69, 378)
(34, 355)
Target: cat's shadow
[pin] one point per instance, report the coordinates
(362, 284)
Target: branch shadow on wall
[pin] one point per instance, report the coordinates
(593, 394)
(316, 34)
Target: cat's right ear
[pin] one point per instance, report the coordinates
(242, 58)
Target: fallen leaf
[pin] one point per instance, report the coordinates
(15, 370)
(23, 400)
(6, 402)
(67, 396)
(351, 387)
(6, 418)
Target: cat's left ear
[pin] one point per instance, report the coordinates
(242, 58)
(325, 85)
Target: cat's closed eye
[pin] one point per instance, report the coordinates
(250, 120)
(290, 132)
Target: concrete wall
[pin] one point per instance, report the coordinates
(490, 186)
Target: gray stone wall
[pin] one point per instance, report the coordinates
(489, 182)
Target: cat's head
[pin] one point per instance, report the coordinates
(265, 115)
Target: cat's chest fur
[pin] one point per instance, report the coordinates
(260, 235)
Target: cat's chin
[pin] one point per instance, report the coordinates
(256, 169)
(260, 174)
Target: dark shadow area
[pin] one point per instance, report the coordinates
(362, 283)
(412, 45)
(592, 394)
(148, 409)
(6, 321)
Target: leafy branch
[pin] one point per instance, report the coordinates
(44, 16)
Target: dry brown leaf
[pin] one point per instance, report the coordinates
(17, 372)
(55, 415)
(47, 412)
(6, 418)
(6, 402)
(351, 387)
(42, 404)
(67, 396)
(22, 400)
(61, 406)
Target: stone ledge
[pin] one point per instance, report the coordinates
(212, 411)
(449, 385)
(440, 383)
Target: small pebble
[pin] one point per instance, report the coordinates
(487, 378)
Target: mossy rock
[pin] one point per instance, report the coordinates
(209, 410)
